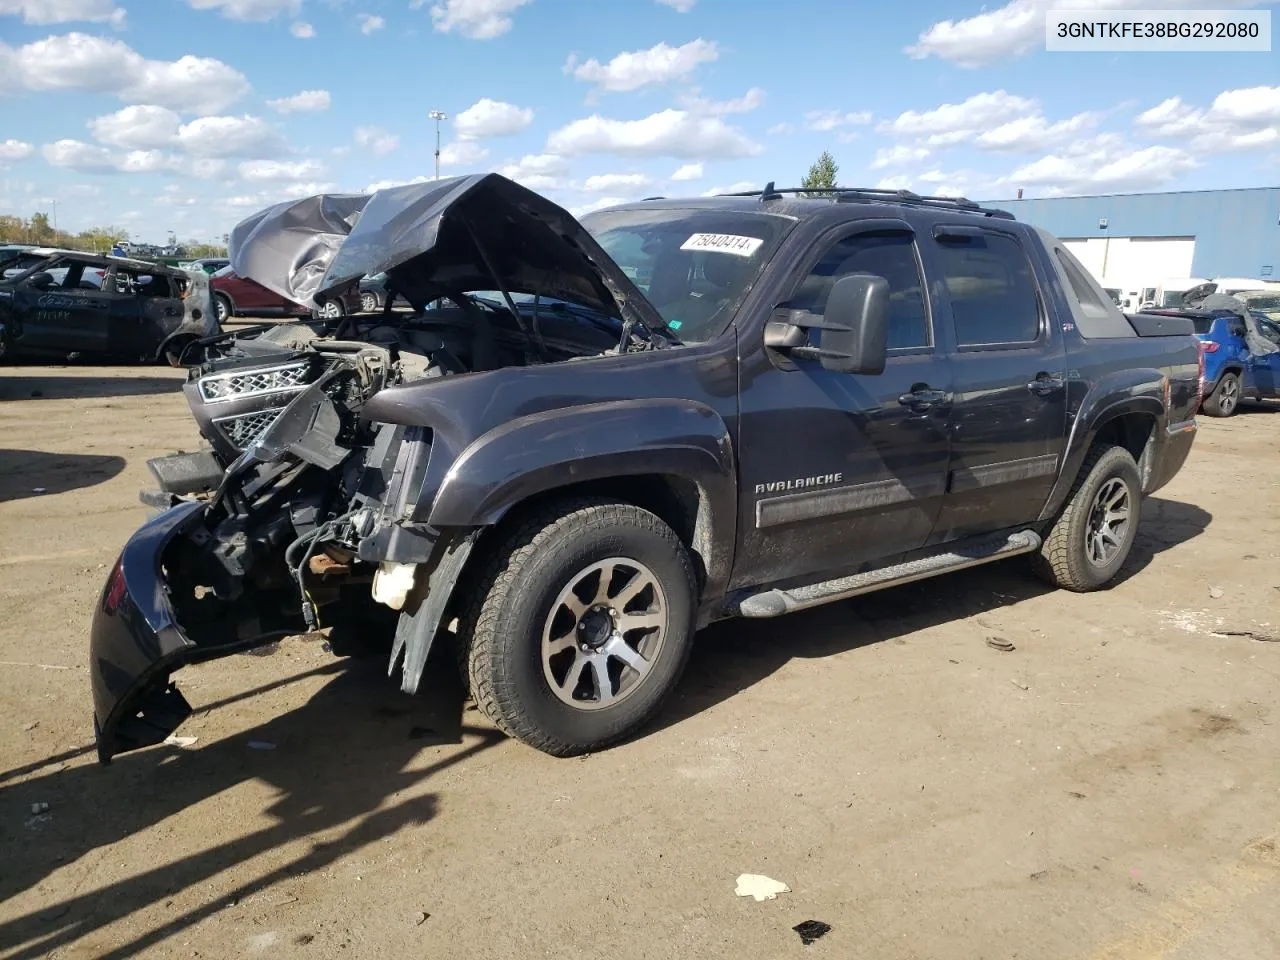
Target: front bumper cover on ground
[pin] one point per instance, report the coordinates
(136, 643)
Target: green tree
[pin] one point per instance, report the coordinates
(822, 173)
(40, 229)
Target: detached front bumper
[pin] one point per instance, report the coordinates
(136, 643)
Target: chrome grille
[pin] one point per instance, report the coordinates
(236, 385)
(242, 430)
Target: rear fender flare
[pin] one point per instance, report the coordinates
(542, 452)
(1126, 392)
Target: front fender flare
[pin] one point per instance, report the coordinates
(545, 451)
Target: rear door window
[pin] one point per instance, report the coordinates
(992, 288)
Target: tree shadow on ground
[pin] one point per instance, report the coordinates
(733, 655)
(37, 386)
(34, 473)
(342, 767)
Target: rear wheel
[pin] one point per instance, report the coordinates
(174, 349)
(1225, 399)
(580, 625)
(331, 310)
(1092, 537)
(369, 302)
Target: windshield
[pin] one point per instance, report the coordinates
(694, 266)
(19, 265)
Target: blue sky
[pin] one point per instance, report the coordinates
(187, 115)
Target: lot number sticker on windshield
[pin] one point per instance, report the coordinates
(723, 243)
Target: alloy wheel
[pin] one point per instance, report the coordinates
(604, 633)
(1108, 522)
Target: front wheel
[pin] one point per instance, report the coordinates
(331, 310)
(222, 307)
(1225, 399)
(580, 625)
(1092, 537)
(369, 302)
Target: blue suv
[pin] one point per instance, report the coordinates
(1231, 371)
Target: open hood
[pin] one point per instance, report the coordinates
(475, 232)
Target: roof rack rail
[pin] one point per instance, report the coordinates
(870, 194)
(643, 199)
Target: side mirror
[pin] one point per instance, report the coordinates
(41, 280)
(854, 327)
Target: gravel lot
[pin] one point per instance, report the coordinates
(1108, 789)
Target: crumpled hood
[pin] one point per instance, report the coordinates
(456, 234)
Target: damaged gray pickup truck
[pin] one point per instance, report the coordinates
(587, 440)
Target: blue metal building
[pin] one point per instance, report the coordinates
(1134, 237)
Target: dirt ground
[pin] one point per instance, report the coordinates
(1108, 789)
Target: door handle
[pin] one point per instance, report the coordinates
(1043, 385)
(922, 398)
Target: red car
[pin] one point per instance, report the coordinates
(237, 296)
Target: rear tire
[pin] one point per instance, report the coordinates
(173, 351)
(1091, 539)
(369, 302)
(1225, 399)
(579, 625)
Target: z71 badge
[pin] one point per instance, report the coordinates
(800, 483)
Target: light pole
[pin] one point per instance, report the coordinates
(437, 116)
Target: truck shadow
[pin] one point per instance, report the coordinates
(342, 777)
(730, 656)
(37, 386)
(33, 473)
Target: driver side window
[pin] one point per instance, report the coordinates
(891, 255)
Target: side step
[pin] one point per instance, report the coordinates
(774, 603)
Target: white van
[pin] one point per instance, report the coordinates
(1168, 293)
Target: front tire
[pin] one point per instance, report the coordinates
(1225, 399)
(223, 308)
(369, 302)
(1091, 539)
(580, 625)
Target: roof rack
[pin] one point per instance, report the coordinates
(870, 195)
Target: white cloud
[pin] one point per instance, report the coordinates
(539, 171)
(896, 182)
(670, 133)
(376, 140)
(1018, 27)
(80, 156)
(209, 169)
(1241, 119)
(595, 205)
(690, 171)
(634, 69)
(258, 171)
(246, 136)
(302, 30)
(825, 120)
(41, 13)
(616, 182)
(307, 101)
(79, 62)
(140, 127)
(387, 184)
(997, 121)
(253, 10)
(462, 153)
(1034, 132)
(896, 156)
(679, 6)
(717, 108)
(474, 19)
(1104, 162)
(742, 186)
(491, 118)
(148, 161)
(781, 129)
(11, 150)
(370, 24)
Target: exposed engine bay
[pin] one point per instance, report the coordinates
(294, 480)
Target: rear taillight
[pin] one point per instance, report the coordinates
(1208, 346)
(1204, 348)
(116, 588)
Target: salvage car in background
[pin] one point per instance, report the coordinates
(237, 296)
(64, 304)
